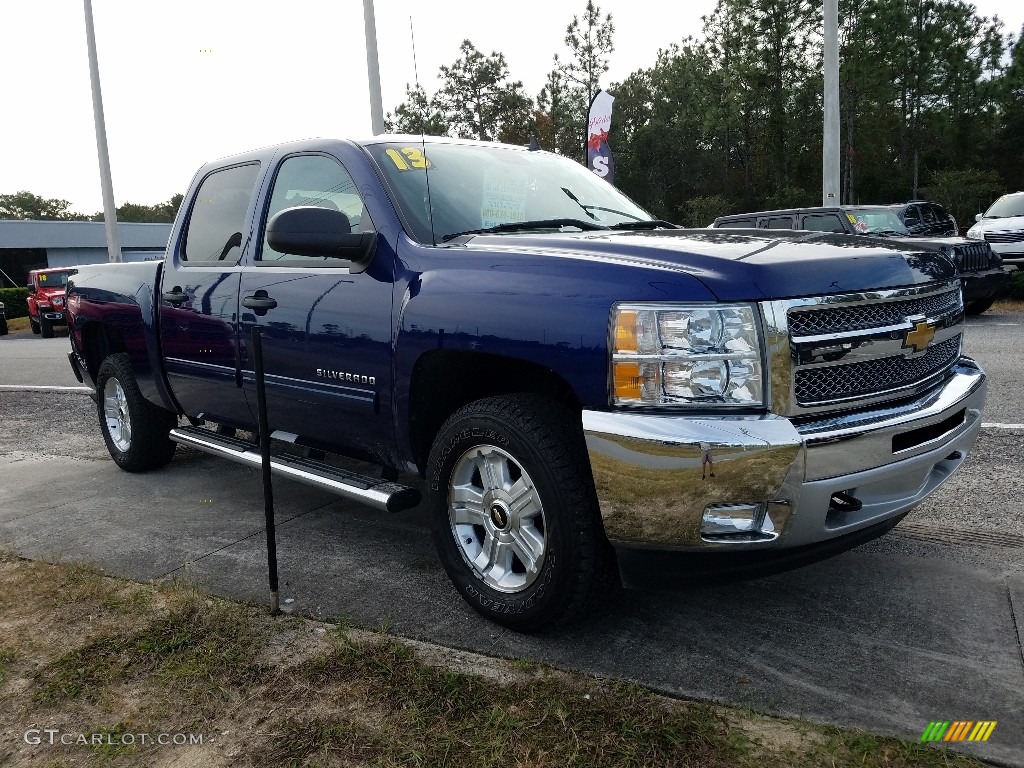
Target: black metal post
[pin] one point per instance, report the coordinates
(268, 489)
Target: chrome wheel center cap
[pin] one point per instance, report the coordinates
(499, 516)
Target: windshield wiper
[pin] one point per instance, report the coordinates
(588, 208)
(522, 226)
(649, 224)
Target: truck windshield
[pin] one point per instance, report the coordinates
(876, 221)
(444, 189)
(52, 279)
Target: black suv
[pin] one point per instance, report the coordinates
(980, 267)
(925, 219)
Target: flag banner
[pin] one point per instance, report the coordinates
(599, 122)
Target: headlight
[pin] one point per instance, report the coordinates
(667, 354)
(974, 233)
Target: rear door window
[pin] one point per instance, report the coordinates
(779, 222)
(217, 223)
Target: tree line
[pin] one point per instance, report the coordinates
(27, 205)
(931, 100)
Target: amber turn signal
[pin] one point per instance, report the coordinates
(627, 381)
(626, 331)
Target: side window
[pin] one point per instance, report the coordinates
(911, 216)
(823, 222)
(739, 224)
(319, 181)
(217, 223)
(780, 222)
(928, 214)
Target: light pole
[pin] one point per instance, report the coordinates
(106, 185)
(373, 69)
(830, 144)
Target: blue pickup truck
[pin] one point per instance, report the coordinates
(570, 377)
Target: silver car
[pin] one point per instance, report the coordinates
(1002, 226)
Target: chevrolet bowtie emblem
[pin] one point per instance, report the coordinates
(918, 339)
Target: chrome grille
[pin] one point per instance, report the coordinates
(1005, 237)
(845, 382)
(845, 319)
(848, 352)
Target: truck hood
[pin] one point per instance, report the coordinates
(747, 266)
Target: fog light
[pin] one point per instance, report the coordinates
(731, 518)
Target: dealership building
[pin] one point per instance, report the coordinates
(26, 245)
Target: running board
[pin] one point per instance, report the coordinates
(377, 493)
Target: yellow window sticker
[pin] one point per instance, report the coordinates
(42, 278)
(852, 218)
(409, 159)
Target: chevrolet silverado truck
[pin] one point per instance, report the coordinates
(46, 296)
(982, 274)
(569, 376)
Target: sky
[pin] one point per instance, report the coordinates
(189, 81)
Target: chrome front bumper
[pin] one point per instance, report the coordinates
(648, 468)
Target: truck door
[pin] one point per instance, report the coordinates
(199, 298)
(325, 322)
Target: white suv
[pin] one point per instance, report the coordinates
(1002, 225)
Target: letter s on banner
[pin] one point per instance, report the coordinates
(599, 123)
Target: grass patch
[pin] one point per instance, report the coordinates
(17, 324)
(200, 644)
(1008, 305)
(87, 649)
(7, 656)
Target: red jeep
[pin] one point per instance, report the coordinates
(46, 299)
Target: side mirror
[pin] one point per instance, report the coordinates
(313, 231)
(977, 217)
(31, 288)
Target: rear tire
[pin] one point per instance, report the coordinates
(135, 430)
(514, 512)
(45, 328)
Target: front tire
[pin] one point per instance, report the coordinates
(515, 514)
(45, 328)
(35, 325)
(135, 430)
